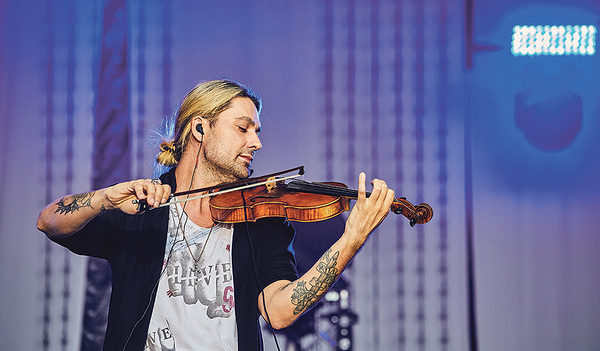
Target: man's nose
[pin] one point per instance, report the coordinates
(254, 142)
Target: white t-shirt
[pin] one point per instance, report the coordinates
(194, 308)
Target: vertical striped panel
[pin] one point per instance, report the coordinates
(66, 269)
(49, 162)
(351, 88)
(418, 161)
(112, 157)
(399, 177)
(141, 87)
(328, 93)
(70, 94)
(166, 83)
(374, 157)
(441, 212)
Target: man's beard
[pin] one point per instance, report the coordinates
(224, 170)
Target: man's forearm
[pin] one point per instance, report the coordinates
(307, 291)
(287, 301)
(69, 214)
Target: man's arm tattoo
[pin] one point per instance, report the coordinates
(304, 297)
(70, 204)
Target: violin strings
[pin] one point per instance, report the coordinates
(322, 188)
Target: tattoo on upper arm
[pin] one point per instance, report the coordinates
(305, 296)
(285, 286)
(70, 204)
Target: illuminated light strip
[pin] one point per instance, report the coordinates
(554, 40)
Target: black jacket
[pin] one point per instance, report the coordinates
(135, 248)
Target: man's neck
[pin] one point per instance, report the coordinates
(192, 173)
(198, 210)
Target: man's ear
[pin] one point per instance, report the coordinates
(198, 128)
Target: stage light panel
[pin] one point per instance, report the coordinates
(554, 40)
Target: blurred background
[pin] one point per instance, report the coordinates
(487, 110)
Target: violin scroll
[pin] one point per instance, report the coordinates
(420, 214)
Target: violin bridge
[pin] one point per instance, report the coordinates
(271, 184)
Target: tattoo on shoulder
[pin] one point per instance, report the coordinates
(304, 296)
(72, 203)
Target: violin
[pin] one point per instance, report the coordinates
(297, 200)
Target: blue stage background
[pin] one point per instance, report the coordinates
(426, 95)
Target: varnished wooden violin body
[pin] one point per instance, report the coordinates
(300, 201)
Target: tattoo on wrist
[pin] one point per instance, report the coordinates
(305, 296)
(70, 204)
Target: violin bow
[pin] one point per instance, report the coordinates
(226, 188)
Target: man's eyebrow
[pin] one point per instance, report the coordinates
(249, 120)
(246, 118)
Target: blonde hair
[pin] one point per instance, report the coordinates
(206, 100)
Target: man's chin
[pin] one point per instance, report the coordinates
(243, 173)
(249, 172)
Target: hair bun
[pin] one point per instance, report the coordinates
(167, 147)
(167, 155)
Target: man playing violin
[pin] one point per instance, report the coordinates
(179, 279)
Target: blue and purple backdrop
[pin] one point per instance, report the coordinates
(428, 95)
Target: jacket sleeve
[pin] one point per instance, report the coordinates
(98, 238)
(277, 260)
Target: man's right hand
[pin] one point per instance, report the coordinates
(121, 196)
